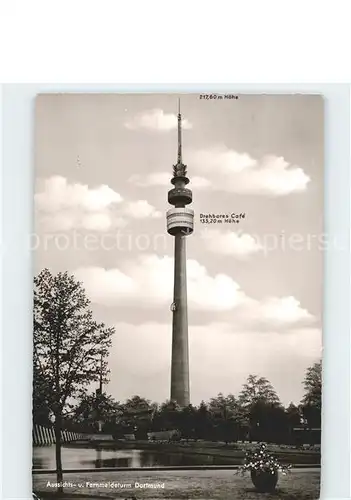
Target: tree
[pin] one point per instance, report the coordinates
(293, 414)
(257, 389)
(168, 416)
(67, 346)
(203, 421)
(256, 396)
(136, 416)
(93, 407)
(313, 385)
(312, 401)
(294, 419)
(187, 422)
(224, 412)
(268, 422)
(41, 410)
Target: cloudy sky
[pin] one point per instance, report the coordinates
(103, 165)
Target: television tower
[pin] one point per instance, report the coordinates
(180, 223)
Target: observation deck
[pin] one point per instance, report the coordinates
(180, 221)
(180, 196)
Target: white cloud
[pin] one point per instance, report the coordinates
(223, 169)
(156, 119)
(100, 222)
(236, 244)
(220, 359)
(67, 221)
(152, 278)
(277, 312)
(63, 206)
(105, 286)
(148, 282)
(284, 310)
(141, 209)
(240, 173)
(57, 194)
(75, 219)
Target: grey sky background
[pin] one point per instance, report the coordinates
(103, 165)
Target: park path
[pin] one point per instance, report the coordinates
(176, 485)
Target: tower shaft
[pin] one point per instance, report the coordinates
(180, 350)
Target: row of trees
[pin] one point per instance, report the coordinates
(256, 414)
(70, 350)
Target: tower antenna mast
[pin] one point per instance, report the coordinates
(179, 134)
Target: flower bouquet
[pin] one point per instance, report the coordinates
(264, 469)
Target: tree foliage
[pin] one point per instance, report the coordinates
(41, 392)
(135, 416)
(313, 386)
(67, 341)
(257, 389)
(311, 403)
(294, 415)
(224, 411)
(94, 407)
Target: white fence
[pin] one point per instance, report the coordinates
(45, 436)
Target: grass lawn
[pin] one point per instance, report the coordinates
(203, 484)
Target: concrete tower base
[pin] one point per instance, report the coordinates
(180, 351)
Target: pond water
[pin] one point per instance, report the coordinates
(44, 458)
